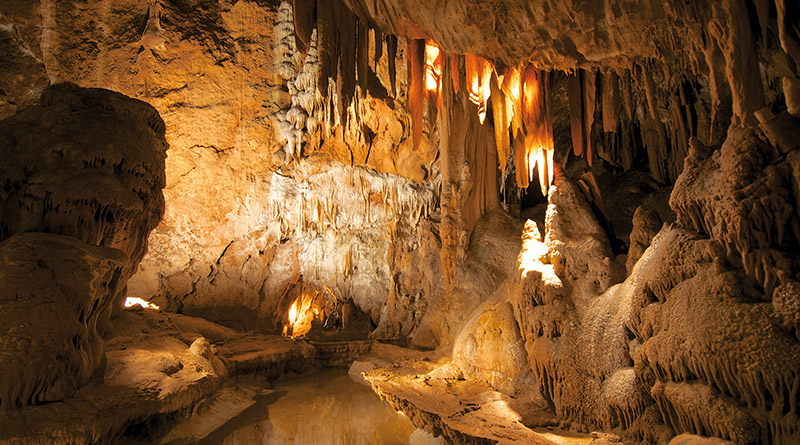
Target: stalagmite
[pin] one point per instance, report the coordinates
(320, 210)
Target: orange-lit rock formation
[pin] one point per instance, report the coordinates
(587, 211)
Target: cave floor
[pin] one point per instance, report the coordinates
(434, 395)
(159, 365)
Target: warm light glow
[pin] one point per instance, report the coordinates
(488, 69)
(304, 309)
(538, 126)
(479, 75)
(474, 91)
(511, 87)
(433, 66)
(293, 313)
(134, 301)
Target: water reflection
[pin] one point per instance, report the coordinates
(326, 407)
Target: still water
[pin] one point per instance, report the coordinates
(326, 407)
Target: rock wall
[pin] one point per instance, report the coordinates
(243, 112)
(85, 163)
(696, 337)
(82, 177)
(701, 94)
(306, 143)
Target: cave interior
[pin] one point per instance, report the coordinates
(515, 221)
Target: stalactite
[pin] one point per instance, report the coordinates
(610, 101)
(730, 27)
(789, 44)
(538, 124)
(378, 46)
(416, 89)
(576, 112)
(348, 41)
(512, 88)
(478, 77)
(501, 122)
(391, 54)
(285, 50)
(521, 160)
(454, 73)
(362, 54)
(451, 140)
(304, 21)
(328, 43)
(589, 86)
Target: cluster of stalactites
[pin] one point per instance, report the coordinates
(519, 98)
(343, 49)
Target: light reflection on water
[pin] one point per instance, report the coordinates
(326, 407)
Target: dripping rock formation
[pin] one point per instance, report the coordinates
(515, 222)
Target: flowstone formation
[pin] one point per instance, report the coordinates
(664, 345)
(56, 302)
(82, 177)
(587, 213)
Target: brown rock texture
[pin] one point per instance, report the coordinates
(87, 163)
(158, 365)
(86, 166)
(315, 146)
(690, 336)
(56, 301)
(239, 101)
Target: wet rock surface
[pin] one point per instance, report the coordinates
(158, 364)
(324, 147)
